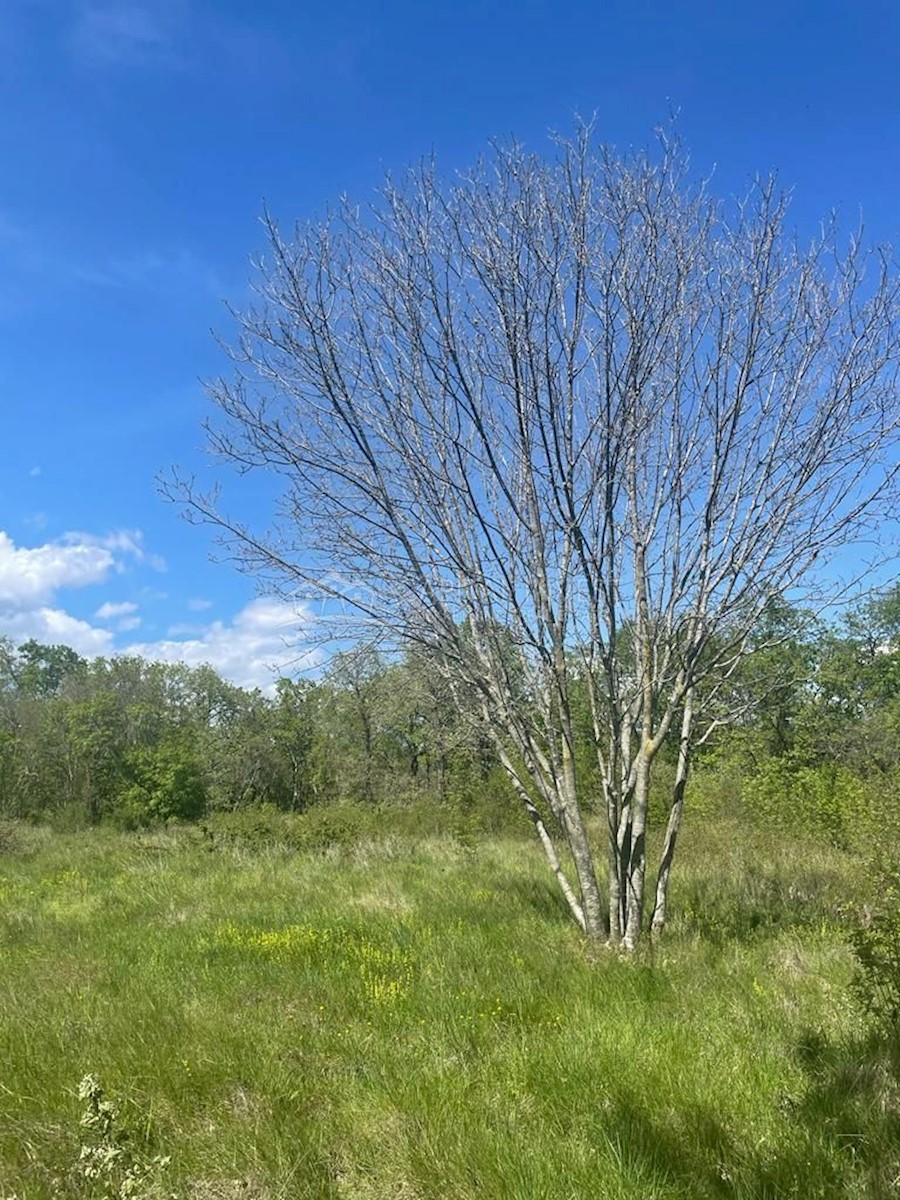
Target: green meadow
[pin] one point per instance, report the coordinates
(408, 1017)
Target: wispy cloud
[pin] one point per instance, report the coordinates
(109, 610)
(35, 262)
(125, 34)
(122, 541)
(181, 35)
(156, 270)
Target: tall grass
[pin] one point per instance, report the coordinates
(418, 1018)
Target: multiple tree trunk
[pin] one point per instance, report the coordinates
(567, 423)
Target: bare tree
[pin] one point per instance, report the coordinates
(567, 421)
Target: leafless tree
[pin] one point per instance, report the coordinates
(562, 407)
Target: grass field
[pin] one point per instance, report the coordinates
(420, 1019)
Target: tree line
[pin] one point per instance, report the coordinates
(805, 736)
(136, 742)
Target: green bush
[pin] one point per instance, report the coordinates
(17, 839)
(256, 826)
(713, 788)
(167, 784)
(825, 801)
(342, 824)
(875, 939)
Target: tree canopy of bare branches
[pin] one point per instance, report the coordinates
(568, 421)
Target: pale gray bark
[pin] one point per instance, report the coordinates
(667, 857)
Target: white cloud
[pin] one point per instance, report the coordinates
(29, 576)
(108, 610)
(258, 645)
(199, 605)
(263, 640)
(53, 627)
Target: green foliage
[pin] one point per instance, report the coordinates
(341, 825)
(112, 1169)
(325, 826)
(826, 801)
(255, 827)
(167, 784)
(714, 790)
(41, 671)
(875, 938)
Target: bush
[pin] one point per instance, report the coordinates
(167, 785)
(20, 840)
(342, 824)
(479, 804)
(256, 826)
(319, 828)
(825, 801)
(875, 940)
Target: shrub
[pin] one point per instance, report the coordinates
(319, 828)
(875, 939)
(167, 785)
(111, 1168)
(824, 801)
(256, 826)
(342, 824)
(19, 840)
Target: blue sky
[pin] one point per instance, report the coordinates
(139, 140)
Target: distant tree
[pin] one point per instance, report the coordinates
(293, 729)
(39, 670)
(548, 403)
(356, 723)
(165, 782)
(852, 714)
(96, 753)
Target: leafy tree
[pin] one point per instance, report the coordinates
(167, 783)
(96, 742)
(38, 670)
(853, 711)
(293, 729)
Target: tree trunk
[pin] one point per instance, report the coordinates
(668, 852)
(616, 926)
(576, 908)
(637, 856)
(595, 924)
